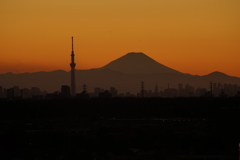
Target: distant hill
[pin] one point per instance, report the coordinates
(124, 73)
(138, 63)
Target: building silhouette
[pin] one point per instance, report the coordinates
(1, 92)
(17, 91)
(36, 91)
(65, 91)
(181, 91)
(114, 92)
(97, 90)
(105, 94)
(54, 95)
(155, 93)
(128, 94)
(72, 65)
(10, 93)
(26, 93)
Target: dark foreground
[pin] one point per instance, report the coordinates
(120, 129)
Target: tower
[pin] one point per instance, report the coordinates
(72, 65)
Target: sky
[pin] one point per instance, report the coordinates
(192, 36)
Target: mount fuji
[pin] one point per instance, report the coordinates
(133, 62)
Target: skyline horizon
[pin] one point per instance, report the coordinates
(119, 71)
(122, 72)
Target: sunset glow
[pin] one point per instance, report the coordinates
(191, 36)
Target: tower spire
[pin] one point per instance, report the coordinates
(72, 44)
(72, 65)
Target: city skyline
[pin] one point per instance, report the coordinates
(214, 90)
(123, 73)
(195, 37)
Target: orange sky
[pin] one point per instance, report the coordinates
(191, 36)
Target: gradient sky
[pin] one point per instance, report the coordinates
(191, 36)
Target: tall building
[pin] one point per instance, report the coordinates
(26, 93)
(36, 91)
(65, 91)
(155, 93)
(1, 92)
(72, 65)
(10, 93)
(17, 91)
(113, 92)
(97, 91)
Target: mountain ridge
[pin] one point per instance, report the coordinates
(106, 77)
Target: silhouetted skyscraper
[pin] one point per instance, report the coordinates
(17, 92)
(1, 92)
(10, 93)
(113, 92)
(35, 91)
(72, 64)
(65, 91)
(105, 94)
(155, 94)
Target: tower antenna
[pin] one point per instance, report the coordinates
(72, 44)
(72, 65)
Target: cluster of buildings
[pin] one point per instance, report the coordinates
(16, 93)
(215, 90)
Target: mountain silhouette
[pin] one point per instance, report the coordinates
(217, 74)
(133, 63)
(125, 74)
